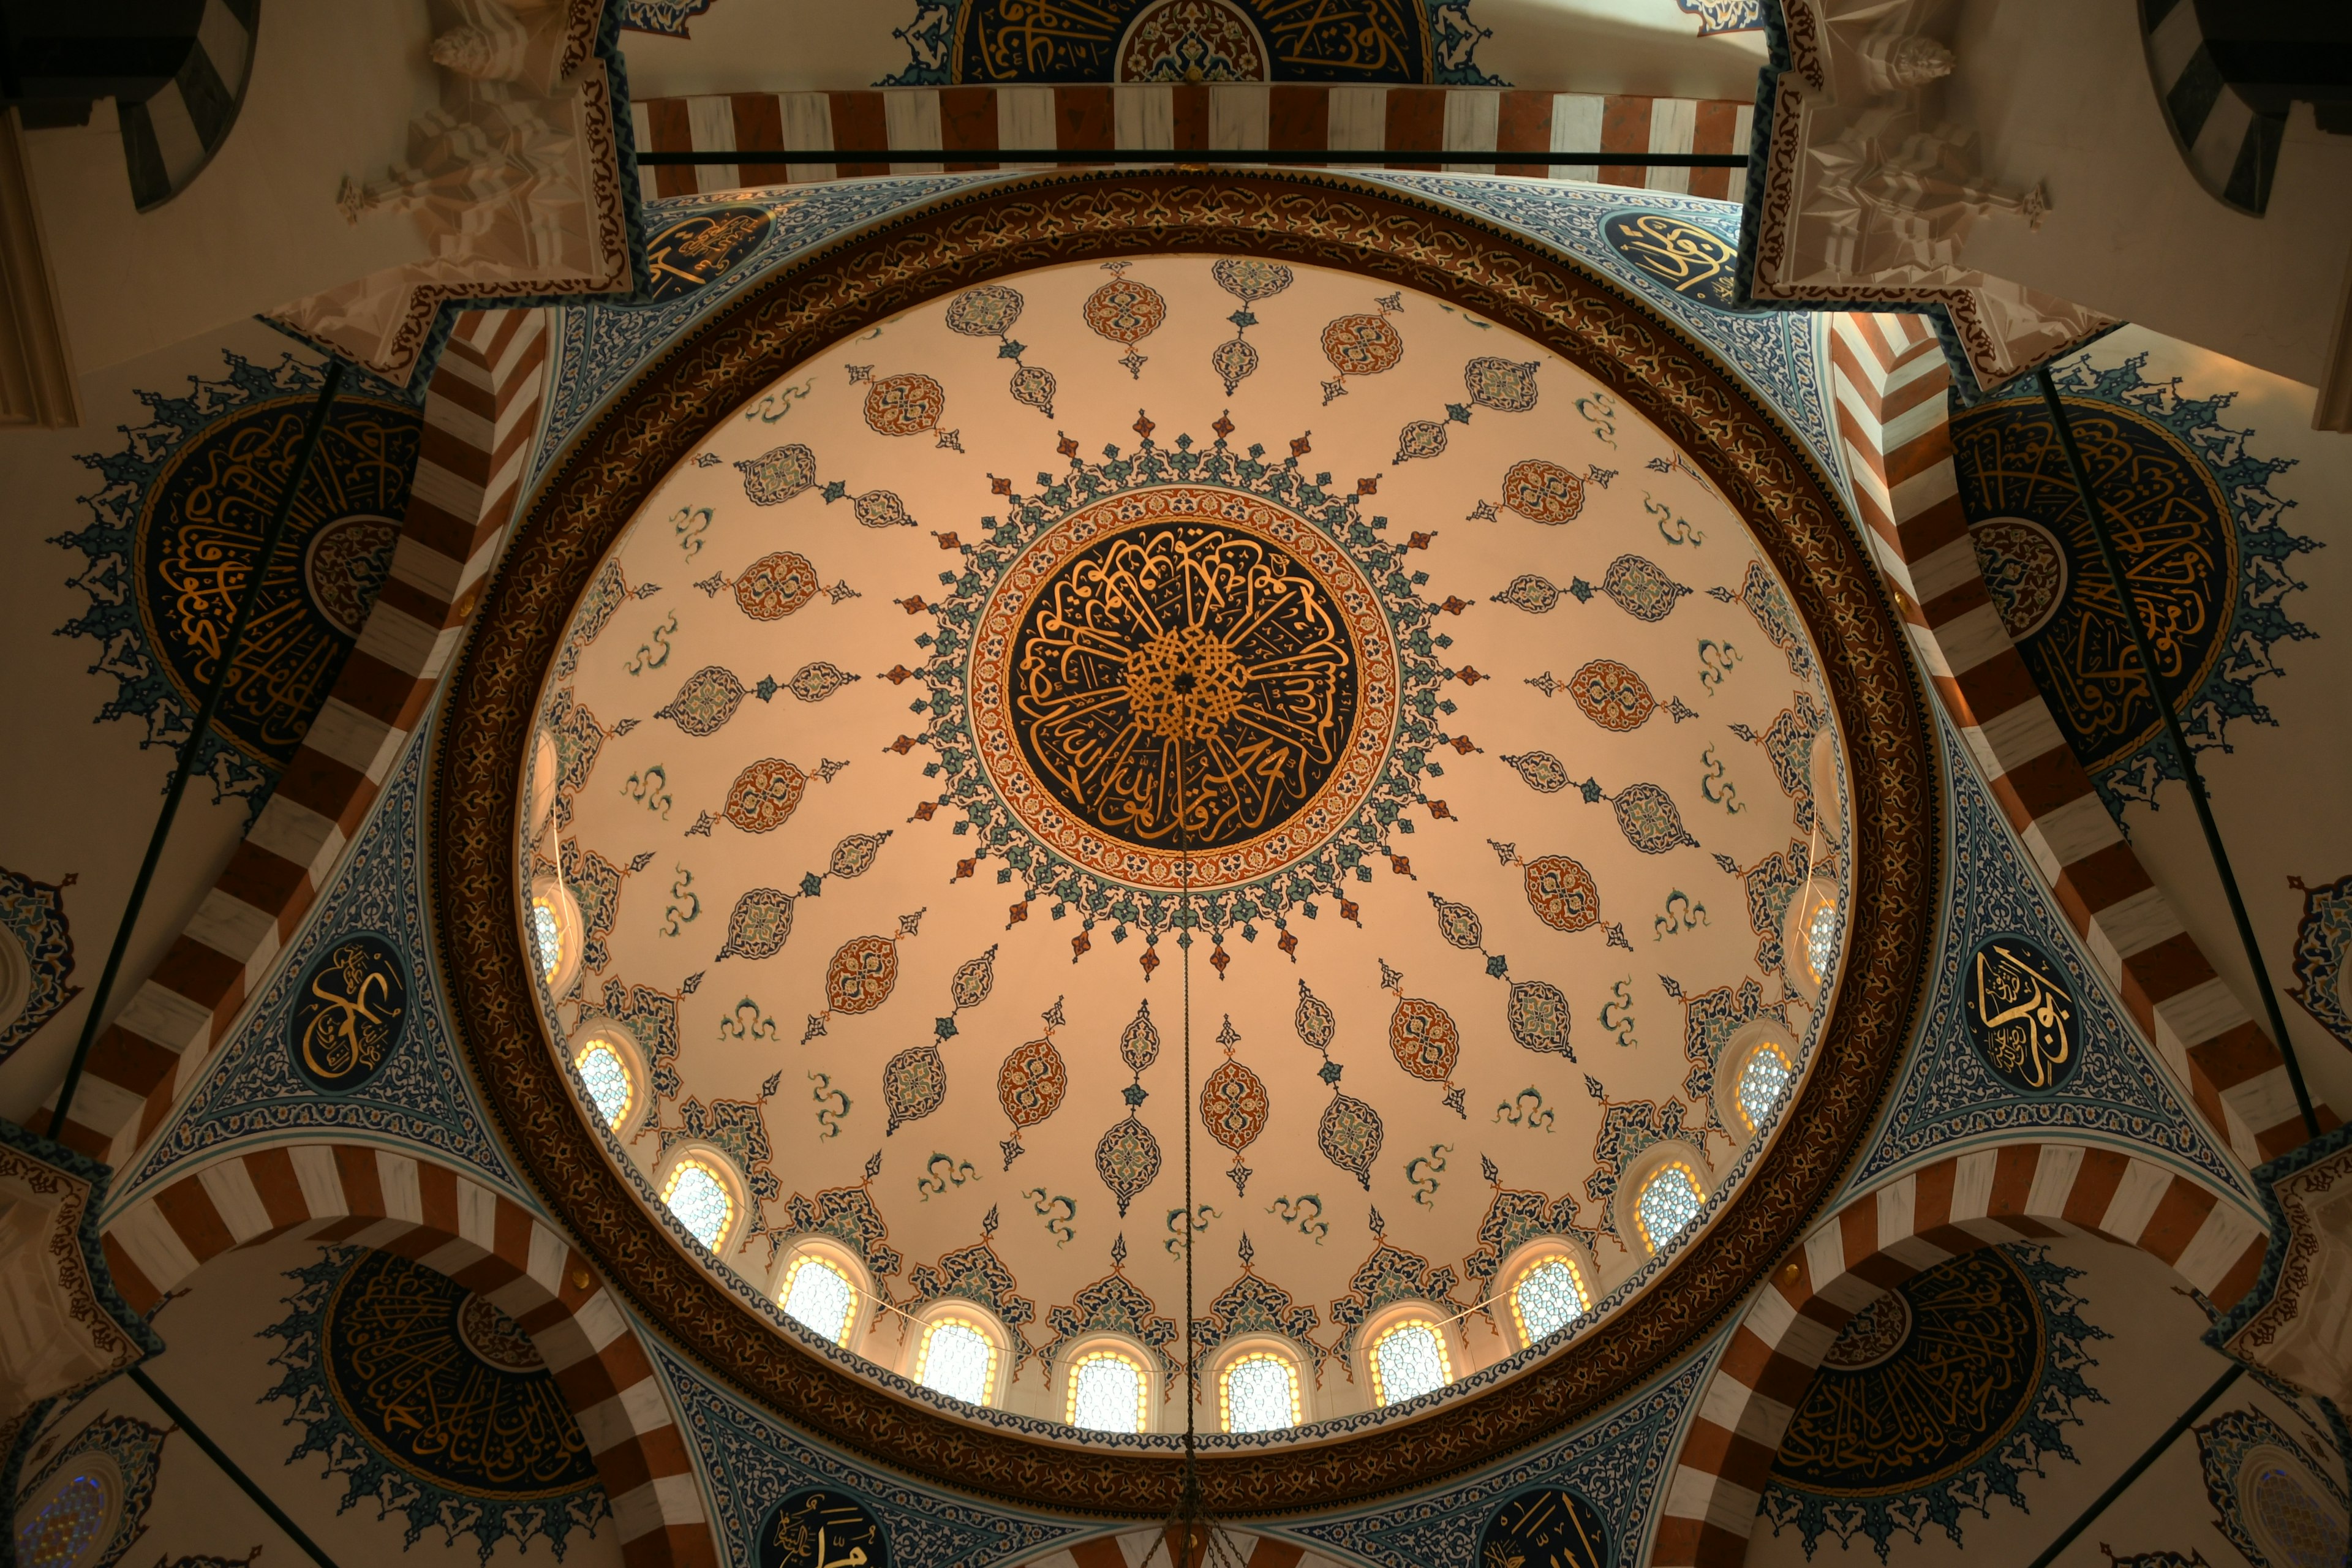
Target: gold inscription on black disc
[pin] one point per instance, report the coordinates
(1183, 674)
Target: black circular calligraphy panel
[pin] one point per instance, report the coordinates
(202, 529)
(1966, 1369)
(447, 1386)
(822, 1529)
(693, 250)
(1183, 685)
(1547, 1528)
(2023, 1017)
(1686, 258)
(350, 1012)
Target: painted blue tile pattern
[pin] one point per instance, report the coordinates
(1947, 1097)
(421, 1095)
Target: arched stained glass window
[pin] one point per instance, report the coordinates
(1107, 1393)
(702, 1202)
(547, 936)
(607, 1078)
(1549, 1295)
(959, 1360)
(2299, 1530)
(63, 1531)
(1761, 1079)
(1820, 940)
(1260, 1393)
(1408, 1361)
(1670, 1200)
(819, 1297)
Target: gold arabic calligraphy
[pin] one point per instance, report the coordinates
(1183, 685)
(2023, 1016)
(1076, 40)
(353, 1013)
(401, 1367)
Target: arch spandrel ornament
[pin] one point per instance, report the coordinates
(955, 244)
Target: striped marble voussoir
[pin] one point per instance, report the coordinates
(486, 1242)
(481, 411)
(961, 127)
(1975, 1200)
(1890, 383)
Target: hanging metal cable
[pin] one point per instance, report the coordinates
(192, 749)
(2155, 1452)
(228, 1466)
(2130, 603)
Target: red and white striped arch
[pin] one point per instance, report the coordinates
(1889, 382)
(2026, 1191)
(481, 413)
(486, 1242)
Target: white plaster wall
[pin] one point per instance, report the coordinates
(218, 1368)
(2061, 93)
(2279, 794)
(332, 91)
(80, 797)
(2149, 1371)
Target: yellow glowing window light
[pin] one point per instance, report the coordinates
(1408, 1360)
(1547, 1295)
(608, 1080)
(702, 1202)
(1670, 1200)
(1259, 1393)
(959, 1360)
(1107, 1393)
(1766, 1073)
(547, 933)
(818, 1295)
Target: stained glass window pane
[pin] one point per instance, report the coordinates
(1820, 940)
(1761, 1083)
(1409, 1361)
(1548, 1298)
(1106, 1395)
(607, 1080)
(1670, 1200)
(549, 935)
(819, 1297)
(701, 1203)
(2294, 1524)
(65, 1527)
(1260, 1394)
(956, 1359)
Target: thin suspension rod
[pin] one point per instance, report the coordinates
(2155, 1451)
(1318, 156)
(179, 1417)
(231, 646)
(2196, 782)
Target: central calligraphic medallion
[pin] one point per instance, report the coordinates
(1180, 672)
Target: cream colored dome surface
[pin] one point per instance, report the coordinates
(1004, 663)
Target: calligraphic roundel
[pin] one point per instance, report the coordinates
(1185, 672)
(2021, 1016)
(349, 1013)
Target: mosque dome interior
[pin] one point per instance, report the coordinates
(970, 783)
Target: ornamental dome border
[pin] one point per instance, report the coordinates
(952, 243)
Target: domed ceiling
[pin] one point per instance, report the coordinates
(1191, 697)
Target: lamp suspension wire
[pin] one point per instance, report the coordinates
(2190, 775)
(241, 618)
(1189, 1538)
